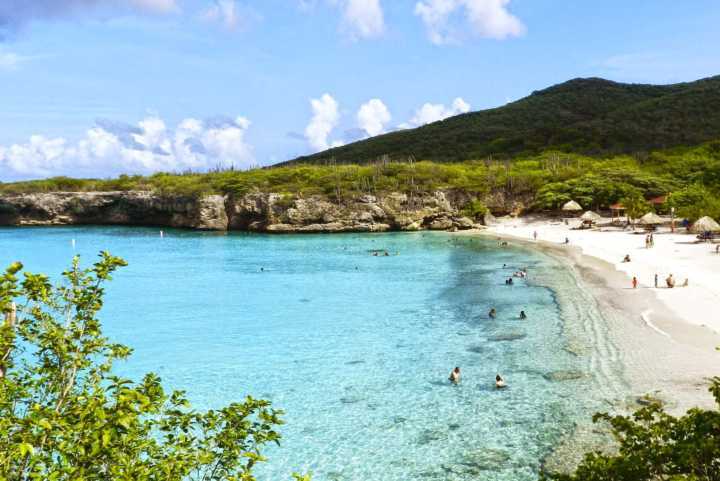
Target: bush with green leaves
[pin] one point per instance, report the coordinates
(656, 446)
(695, 201)
(65, 416)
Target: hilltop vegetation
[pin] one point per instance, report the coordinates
(592, 116)
(539, 182)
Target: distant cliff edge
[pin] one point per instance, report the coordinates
(256, 212)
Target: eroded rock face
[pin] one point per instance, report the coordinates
(260, 212)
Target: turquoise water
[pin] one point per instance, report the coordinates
(356, 349)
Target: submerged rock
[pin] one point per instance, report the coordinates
(430, 435)
(476, 349)
(507, 336)
(486, 459)
(563, 375)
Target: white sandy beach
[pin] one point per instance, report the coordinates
(676, 254)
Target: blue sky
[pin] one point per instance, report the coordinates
(102, 87)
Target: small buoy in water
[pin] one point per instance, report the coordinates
(162, 234)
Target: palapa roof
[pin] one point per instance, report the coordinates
(591, 216)
(705, 224)
(651, 218)
(658, 200)
(572, 206)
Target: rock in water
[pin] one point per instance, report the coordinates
(507, 336)
(567, 375)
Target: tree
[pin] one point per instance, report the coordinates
(635, 205)
(65, 416)
(655, 446)
(695, 201)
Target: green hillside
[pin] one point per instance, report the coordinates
(586, 116)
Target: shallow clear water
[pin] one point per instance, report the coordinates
(356, 349)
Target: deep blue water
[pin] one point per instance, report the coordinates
(356, 349)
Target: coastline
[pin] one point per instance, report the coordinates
(662, 352)
(643, 348)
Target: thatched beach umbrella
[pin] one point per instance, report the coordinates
(705, 224)
(572, 206)
(651, 218)
(591, 217)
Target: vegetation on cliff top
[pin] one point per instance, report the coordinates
(589, 116)
(540, 182)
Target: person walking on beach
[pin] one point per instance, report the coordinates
(656, 281)
(455, 376)
(535, 235)
(634, 282)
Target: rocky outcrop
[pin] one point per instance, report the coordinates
(258, 212)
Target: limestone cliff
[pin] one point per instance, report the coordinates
(258, 212)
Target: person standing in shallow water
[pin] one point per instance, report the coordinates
(455, 376)
(523, 315)
(492, 313)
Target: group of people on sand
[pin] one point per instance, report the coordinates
(649, 241)
(669, 281)
(455, 378)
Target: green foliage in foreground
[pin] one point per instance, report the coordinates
(540, 182)
(655, 446)
(64, 416)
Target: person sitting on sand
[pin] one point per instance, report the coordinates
(492, 313)
(500, 382)
(626, 258)
(455, 376)
(523, 315)
(670, 281)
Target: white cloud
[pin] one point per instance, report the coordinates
(156, 6)
(373, 116)
(9, 60)
(485, 18)
(326, 115)
(230, 14)
(429, 113)
(363, 18)
(112, 148)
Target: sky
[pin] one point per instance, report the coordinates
(98, 88)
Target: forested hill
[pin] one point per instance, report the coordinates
(590, 116)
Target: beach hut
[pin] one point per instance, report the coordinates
(590, 217)
(617, 211)
(571, 206)
(705, 224)
(650, 220)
